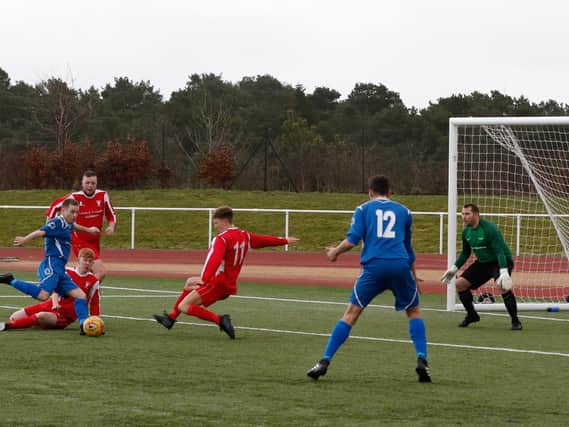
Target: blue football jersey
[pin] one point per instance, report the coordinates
(385, 228)
(57, 238)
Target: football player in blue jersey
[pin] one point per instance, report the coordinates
(387, 261)
(51, 271)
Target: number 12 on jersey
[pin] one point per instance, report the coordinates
(385, 223)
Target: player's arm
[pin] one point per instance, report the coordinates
(418, 280)
(410, 251)
(90, 230)
(55, 301)
(497, 246)
(353, 237)
(258, 241)
(335, 251)
(464, 254)
(407, 241)
(19, 240)
(110, 216)
(110, 229)
(213, 259)
(55, 208)
(94, 301)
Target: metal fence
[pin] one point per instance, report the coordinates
(286, 212)
(209, 211)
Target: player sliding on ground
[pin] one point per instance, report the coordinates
(387, 261)
(493, 261)
(58, 312)
(51, 271)
(221, 269)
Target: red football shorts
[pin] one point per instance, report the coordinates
(77, 244)
(216, 290)
(64, 318)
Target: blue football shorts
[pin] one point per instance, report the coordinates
(386, 274)
(52, 277)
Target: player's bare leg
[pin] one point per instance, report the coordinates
(20, 320)
(190, 302)
(192, 306)
(169, 319)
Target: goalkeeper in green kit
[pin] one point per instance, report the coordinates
(493, 260)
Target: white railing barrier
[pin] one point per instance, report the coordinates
(287, 212)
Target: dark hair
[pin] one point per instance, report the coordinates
(89, 173)
(473, 207)
(379, 184)
(69, 202)
(224, 212)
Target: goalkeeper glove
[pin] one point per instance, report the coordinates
(504, 281)
(449, 274)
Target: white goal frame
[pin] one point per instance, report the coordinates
(454, 211)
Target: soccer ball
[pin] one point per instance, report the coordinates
(93, 326)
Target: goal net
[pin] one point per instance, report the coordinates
(517, 171)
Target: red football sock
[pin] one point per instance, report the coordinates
(24, 322)
(203, 313)
(175, 312)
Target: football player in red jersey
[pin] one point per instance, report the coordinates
(58, 312)
(94, 207)
(221, 269)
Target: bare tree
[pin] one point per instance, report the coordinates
(58, 111)
(211, 127)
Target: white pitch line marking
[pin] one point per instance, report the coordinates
(305, 301)
(357, 337)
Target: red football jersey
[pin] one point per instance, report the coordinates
(88, 284)
(92, 210)
(228, 250)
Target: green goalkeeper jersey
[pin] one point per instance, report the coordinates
(487, 243)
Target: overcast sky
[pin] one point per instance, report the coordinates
(422, 49)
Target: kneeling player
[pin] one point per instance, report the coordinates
(58, 312)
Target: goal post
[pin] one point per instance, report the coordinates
(516, 169)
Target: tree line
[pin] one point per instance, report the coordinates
(256, 134)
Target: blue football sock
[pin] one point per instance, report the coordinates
(339, 334)
(28, 288)
(419, 337)
(80, 306)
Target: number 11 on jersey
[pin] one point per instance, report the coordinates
(239, 249)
